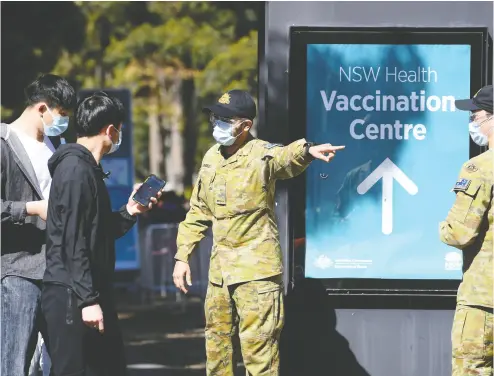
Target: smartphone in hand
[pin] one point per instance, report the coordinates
(150, 188)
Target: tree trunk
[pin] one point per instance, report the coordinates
(190, 130)
(155, 140)
(170, 89)
(191, 125)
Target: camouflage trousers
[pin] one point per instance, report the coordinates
(254, 309)
(472, 341)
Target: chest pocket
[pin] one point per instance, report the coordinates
(219, 187)
(246, 187)
(205, 190)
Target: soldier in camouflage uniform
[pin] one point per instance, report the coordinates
(235, 193)
(469, 228)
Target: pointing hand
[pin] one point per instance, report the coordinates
(324, 152)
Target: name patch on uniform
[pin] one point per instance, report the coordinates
(462, 185)
(206, 165)
(270, 146)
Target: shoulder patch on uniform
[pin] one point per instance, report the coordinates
(270, 146)
(471, 167)
(205, 165)
(462, 185)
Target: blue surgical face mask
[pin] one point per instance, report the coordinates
(58, 125)
(115, 146)
(475, 133)
(223, 132)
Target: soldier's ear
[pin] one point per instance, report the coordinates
(247, 125)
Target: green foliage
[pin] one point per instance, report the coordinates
(5, 112)
(174, 57)
(232, 68)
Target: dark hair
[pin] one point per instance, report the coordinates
(54, 90)
(96, 112)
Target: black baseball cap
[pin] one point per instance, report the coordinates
(482, 100)
(235, 103)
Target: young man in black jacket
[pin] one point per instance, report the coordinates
(26, 147)
(83, 331)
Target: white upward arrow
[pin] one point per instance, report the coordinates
(387, 171)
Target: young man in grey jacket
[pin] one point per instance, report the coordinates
(25, 149)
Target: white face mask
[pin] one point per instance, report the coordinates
(223, 131)
(58, 125)
(475, 133)
(115, 146)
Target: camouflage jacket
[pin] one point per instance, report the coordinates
(236, 195)
(469, 228)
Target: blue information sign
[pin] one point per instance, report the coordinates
(374, 211)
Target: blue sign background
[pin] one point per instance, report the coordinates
(344, 228)
(120, 186)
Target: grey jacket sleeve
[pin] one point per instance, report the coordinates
(12, 211)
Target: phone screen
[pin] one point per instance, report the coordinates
(148, 189)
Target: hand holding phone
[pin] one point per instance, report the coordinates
(149, 189)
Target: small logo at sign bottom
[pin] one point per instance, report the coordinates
(323, 262)
(452, 261)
